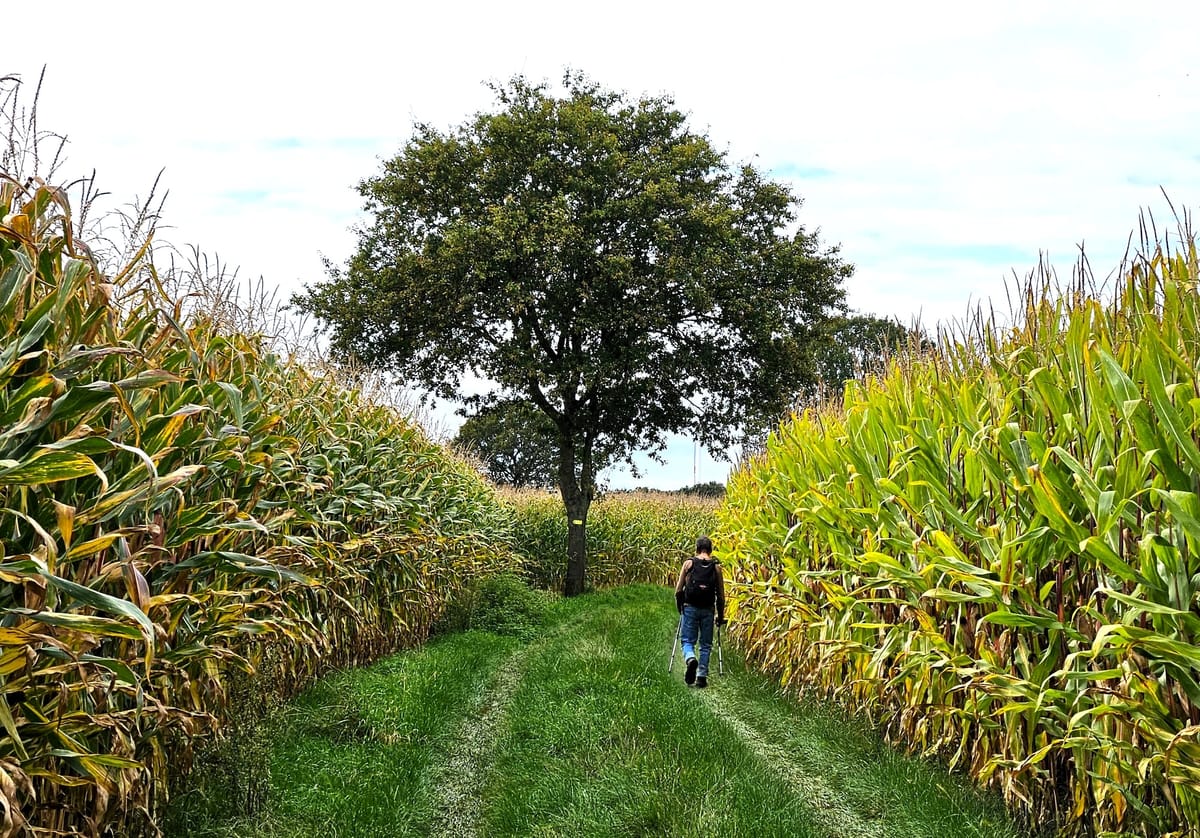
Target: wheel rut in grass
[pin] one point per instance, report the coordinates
(830, 809)
(458, 779)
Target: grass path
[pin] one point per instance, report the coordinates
(830, 809)
(455, 779)
(582, 732)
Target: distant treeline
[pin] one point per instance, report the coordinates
(711, 489)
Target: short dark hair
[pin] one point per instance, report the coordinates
(704, 544)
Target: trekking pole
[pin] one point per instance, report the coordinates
(720, 657)
(675, 642)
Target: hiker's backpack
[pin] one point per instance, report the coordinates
(700, 587)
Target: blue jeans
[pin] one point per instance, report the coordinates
(697, 621)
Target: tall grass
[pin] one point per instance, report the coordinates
(993, 549)
(184, 512)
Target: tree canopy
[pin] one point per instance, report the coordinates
(587, 253)
(516, 443)
(858, 344)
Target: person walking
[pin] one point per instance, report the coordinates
(700, 599)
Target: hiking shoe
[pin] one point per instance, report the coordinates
(702, 682)
(690, 675)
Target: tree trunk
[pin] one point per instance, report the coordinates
(576, 545)
(576, 489)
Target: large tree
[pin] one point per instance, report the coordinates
(516, 443)
(590, 254)
(858, 345)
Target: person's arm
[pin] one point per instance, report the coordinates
(679, 585)
(720, 595)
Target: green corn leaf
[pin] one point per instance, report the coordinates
(92, 624)
(47, 466)
(10, 726)
(244, 562)
(118, 667)
(1176, 425)
(105, 602)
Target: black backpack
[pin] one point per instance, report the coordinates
(700, 587)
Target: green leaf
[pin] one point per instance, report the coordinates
(105, 602)
(47, 466)
(91, 624)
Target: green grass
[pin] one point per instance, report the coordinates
(581, 731)
(912, 797)
(602, 741)
(352, 756)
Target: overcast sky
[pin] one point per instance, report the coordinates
(943, 146)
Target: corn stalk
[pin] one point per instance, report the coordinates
(993, 550)
(181, 508)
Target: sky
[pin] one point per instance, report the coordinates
(944, 147)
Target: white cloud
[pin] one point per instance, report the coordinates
(953, 135)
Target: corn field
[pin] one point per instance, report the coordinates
(639, 537)
(993, 550)
(180, 507)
